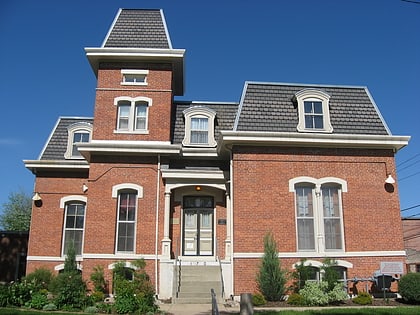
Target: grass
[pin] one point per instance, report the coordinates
(414, 310)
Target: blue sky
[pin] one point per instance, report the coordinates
(44, 73)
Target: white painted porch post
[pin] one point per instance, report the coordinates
(166, 241)
(228, 228)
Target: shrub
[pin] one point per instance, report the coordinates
(409, 287)
(295, 299)
(20, 293)
(41, 278)
(258, 299)
(98, 279)
(363, 298)
(39, 300)
(271, 278)
(4, 295)
(330, 273)
(133, 295)
(318, 294)
(313, 294)
(104, 308)
(50, 307)
(98, 296)
(91, 310)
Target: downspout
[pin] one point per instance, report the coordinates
(157, 224)
(231, 221)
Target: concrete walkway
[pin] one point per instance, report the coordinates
(196, 309)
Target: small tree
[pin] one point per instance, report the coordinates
(271, 278)
(16, 214)
(133, 290)
(331, 275)
(301, 274)
(69, 285)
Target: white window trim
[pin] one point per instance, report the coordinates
(313, 95)
(318, 208)
(131, 116)
(63, 202)
(115, 192)
(199, 112)
(134, 72)
(71, 130)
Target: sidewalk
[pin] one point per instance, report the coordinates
(196, 309)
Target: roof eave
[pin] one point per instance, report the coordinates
(58, 165)
(173, 56)
(229, 138)
(127, 148)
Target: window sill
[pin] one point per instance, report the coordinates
(137, 132)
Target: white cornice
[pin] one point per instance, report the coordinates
(327, 254)
(229, 138)
(106, 147)
(34, 165)
(192, 174)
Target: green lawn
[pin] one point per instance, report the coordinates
(415, 310)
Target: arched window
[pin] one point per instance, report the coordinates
(313, 110)
(199, 127)
(74, 223)
(319, 213)
(127, 200)
(132, 114)
(77, 133)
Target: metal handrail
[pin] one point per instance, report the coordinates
(221, 271)
(214, 307)
(177, 270)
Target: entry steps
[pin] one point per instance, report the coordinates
(196, 282)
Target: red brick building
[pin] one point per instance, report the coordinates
(193, 187)
(411, 229)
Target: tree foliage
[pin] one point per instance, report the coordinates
(271, 279)
(16, 213)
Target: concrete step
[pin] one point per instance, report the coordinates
(196, 283)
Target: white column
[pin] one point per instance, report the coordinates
(166, 241)
(228, 229)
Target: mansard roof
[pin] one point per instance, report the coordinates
(56, 145)
(270, 107)
(137, 28)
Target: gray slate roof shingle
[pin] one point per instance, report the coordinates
(270, 107)
(135, 28)
(57, 143)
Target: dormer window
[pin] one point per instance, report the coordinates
(199, 127)
(313, 109)
(134, 77)
(77, 133)
(132, 114)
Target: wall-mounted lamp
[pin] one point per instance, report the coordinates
(36, 197)
(197, 188)
(390, 180)
(85, 188)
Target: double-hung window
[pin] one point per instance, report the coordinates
(199, 127)
(77, 133)
(199, 130)
(132, 114)
(314, 118)
(313, 110)
(74, 226)
(126, 226)
(319, 214)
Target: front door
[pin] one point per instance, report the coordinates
(198, 226)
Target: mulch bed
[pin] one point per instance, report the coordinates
(347, 303)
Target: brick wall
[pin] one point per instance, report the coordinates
(158, 89)
(262, 202)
